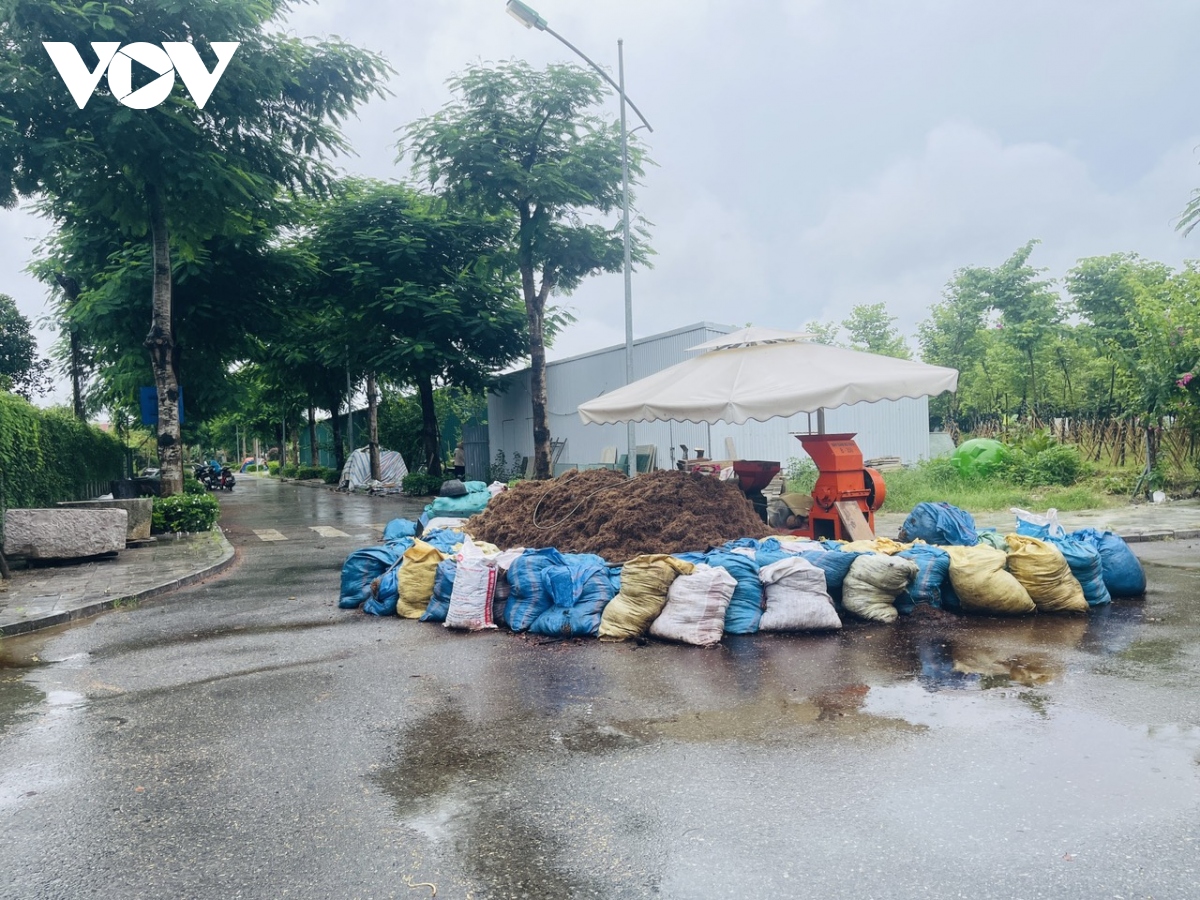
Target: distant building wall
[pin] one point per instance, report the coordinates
(887, 428)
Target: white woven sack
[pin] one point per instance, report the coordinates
(695, 609)
(471, 597)
(796, 598)
(872, 584)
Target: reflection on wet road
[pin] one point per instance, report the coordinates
(248, 738)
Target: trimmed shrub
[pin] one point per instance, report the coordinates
(184, 512)
(273, 469)
(192, 486)
(330, 476)
(421, 484)
(288, 471)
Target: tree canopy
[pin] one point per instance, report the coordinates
(20, 369)
(180, 172)
(524, 141)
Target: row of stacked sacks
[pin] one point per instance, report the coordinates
(1037, 567)
(745, 586)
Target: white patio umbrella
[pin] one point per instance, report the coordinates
(762, 373)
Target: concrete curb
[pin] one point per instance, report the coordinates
(95, 608)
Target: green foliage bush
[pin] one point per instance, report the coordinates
(273, 468)
(185, 512)
(192, 486)
(800, 475)
(330, 476)
(49, 455)
(288, 471)
(420, 484)
(1040, 460)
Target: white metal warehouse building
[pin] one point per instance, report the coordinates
(886, 428)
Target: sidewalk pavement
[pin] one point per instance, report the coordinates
(41, 597)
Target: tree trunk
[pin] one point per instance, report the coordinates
(429, 426)
(339, 451)
(373, 427)
(161, 344)
(314, 452)
(535, 311)
(70, 289)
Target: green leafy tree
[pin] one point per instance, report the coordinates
(1029, 311)
(824, 332)
(225, 292)
(180, 172)
(20, 369)
(520, 140)
(429, 291)
(871, 329)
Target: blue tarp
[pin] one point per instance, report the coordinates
(941, 523)
(399, 528)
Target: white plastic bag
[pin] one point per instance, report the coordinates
(1038, 521)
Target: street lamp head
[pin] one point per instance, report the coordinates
(526, 15)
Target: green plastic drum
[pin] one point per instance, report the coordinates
(978, 456)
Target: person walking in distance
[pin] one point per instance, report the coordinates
(460, 461)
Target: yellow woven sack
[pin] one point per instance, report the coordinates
(883, 545)
(982, 583)
(1043, 571)
(415, 579)
(644, 583)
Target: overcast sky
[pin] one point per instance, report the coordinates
(813, 155)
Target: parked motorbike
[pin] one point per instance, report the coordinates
(214, 479)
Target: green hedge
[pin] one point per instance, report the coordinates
(184, 512)
(420, 484)
(48, 455)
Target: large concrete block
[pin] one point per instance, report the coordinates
(63, 533)
(140, 512)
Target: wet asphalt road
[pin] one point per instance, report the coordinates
(245, 738)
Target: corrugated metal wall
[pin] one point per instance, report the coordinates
(887, 428)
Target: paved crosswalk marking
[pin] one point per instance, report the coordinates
(269, 534)
(327, 531)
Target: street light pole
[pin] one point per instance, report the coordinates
(530, 19)
(630, 435)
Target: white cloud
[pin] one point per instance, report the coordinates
(970, 200)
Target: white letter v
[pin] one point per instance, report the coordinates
(199, 81)
(74, 71)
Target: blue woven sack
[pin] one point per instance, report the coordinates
(746, 606)
(932, 581)
(443, 585)
(527, 598)
(361, 568)
(940, 523)
(1084, 560)
(1123, 573)
(579, 592)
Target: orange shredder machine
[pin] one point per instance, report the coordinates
(843, 479)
